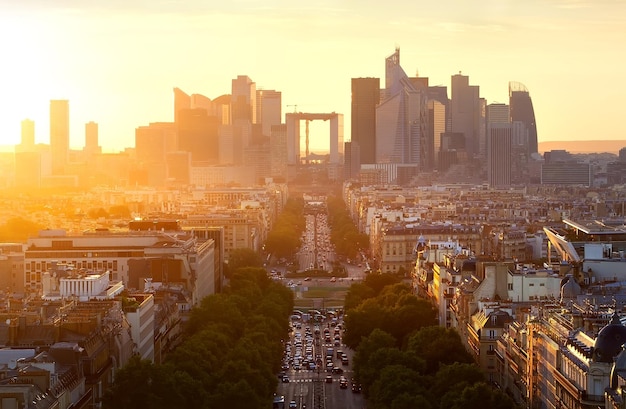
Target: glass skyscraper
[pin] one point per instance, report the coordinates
(522, 111)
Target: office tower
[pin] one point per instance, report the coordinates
(243, 100)
(465, 112)
(499, 150)
(365, 98)
(181, 101)
(91, 138)
(352, 161)
(178, 167)
(155, 141)
(59, 134)
(268, 109)
(278, 152)
(522, 111)
(622, 155)
(28, 135)
(198, 134)
(401, 117)
(436, 128)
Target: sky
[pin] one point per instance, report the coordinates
(117, 61)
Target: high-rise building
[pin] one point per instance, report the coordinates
(352, 161)
(268, 109)
(498, 145)
(401, 117)
(365, 98)
(28, 134)
(522, 111)
(465, 112)
(59, 134)
(243, 100)
(436, 128)
(198, 134)
(181, 101)
(91, 138)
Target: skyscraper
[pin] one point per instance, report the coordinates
(28, 134)
(401, 117)
(243, 100)
(365, 98)
(466, 113)
(522, 111)
(268, 109)
(181, 101)
(91, 138)
(498, 145)
(59, 134)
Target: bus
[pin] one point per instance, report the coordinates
(279, 402)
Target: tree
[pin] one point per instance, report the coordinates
(437, 345)
(240, 258)
(479, 396)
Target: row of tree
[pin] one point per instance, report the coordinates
(404, 360)
(284, 239)
(231, 352)
(344, 234)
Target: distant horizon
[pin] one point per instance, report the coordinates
(607, 146)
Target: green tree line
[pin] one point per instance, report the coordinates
(231, 352)
(404, 360)
(284, 238)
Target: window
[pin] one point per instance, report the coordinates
(510, 286)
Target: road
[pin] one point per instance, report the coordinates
(309, 387)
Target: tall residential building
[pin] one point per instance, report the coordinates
(59, 134)
(268, 109)
(243, 100)
(28, 134)
(466, 114)
(365, 98)
(352, 161)
(401, 117)
(522, 111)
(498, 145)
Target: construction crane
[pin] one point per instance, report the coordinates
(295, 108)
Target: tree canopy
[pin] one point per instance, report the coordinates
(231, 352)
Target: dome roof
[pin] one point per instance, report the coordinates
(618, 366)
(609, 341)
(569, 288)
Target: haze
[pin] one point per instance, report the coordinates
(118, 61)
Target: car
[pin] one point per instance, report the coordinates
(292, 404)
(307, 279)
(337, 370)
(333, 279)
(285, 379)
(356, 387)
(329, 379)
(343, 384)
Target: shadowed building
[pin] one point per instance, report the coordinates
(365, 98)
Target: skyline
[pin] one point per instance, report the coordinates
(117, 65)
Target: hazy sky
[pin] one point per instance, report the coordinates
(117, 61)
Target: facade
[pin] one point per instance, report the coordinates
(168, 256)
(365, 98)
(499, 154)
(198, 134)
(140, 313)
(59, 134)
(566, 173)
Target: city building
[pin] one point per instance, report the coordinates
(466, 113)
(522, 111)
(268, 109)
(365, 98)
(401, 117)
